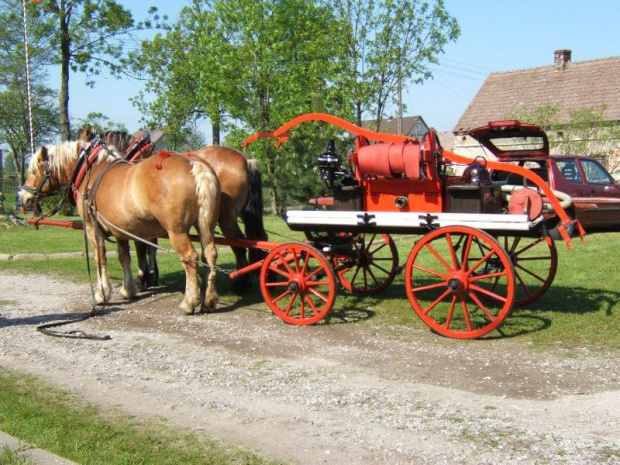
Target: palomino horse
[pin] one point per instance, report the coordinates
(164, 195)
(242, 197)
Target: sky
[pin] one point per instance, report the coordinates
(496, 35)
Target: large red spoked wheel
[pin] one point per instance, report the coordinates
(535, 263)
(455, 296)
(369, 266)
(298, 284)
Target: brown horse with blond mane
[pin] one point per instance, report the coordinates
(241, 185)
(164, 195)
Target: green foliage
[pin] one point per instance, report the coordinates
(100, 122)
(387, 42)
(545, 116)
(587, 132)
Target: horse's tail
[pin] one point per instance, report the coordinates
(252, 214)
(208, 191)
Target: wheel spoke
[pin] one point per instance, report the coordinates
(495, 275)
(479, 303)
(438, 257)
(430, 271)
(311, 304)
(531, 273)
(450, 312)
(455, 261)
(320, 295)
(281, 296)
(527, 247)
(430, 287)
(467, 251)
(436, 302)
(466, 313)
(480, 262)
(488, 293)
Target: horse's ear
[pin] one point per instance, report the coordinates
(42, 154)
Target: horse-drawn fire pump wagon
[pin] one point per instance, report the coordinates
(481, 246)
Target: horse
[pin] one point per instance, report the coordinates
(164, 195)
(242, 197)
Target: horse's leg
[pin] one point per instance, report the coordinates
(128, 291)
(182, 244)
(103, 291)
(153, 276)
(143, 265)
(209, 254)
(230, 229)
(148, 271)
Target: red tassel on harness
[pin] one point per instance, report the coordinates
(162, 154)
(190, 154)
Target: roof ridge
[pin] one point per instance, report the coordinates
(573, 63)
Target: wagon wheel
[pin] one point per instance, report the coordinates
(535, 262)
(370, 266)
(298, 284)
(454, 296)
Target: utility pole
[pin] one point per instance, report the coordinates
(1, 182)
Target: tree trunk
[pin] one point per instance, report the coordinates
(215, 128)
(65, 44)
(273, 188)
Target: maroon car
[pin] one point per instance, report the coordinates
(595, 194)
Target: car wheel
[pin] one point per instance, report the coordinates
(555, 231)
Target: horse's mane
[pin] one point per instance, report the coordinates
(60, 155)
(115, 140)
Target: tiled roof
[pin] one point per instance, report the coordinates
(390, 126)
(585, 84)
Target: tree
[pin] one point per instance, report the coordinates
(86, 36)
(14, 114)
(177, 93)
(100, 122)
(282, 56)
(389, 45)
(254, 63)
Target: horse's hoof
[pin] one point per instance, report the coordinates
(189, 309)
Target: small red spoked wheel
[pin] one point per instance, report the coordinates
(455, 296)
(535, 262)
(298, 284)
(370, 266)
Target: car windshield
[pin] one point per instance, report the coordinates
(595, 173)
(516, 144)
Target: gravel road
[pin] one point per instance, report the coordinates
(345, 392)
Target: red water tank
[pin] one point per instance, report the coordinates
(390, 160)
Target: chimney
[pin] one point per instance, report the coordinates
(561, 58)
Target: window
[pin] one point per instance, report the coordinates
(568, 169)
(595, 173)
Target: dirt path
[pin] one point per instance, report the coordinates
(338, 393)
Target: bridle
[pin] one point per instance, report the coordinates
(50, 179)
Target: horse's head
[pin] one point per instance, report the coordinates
(50, 169)
(87, 133)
